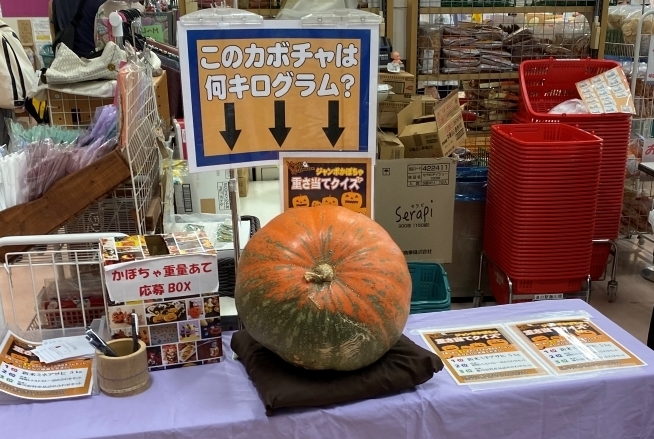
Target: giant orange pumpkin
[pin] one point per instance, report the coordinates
(324, 288)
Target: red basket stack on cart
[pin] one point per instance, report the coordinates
(540, 208)
(547, 83)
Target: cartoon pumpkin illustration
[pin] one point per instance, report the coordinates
(478, 345)
(330, 201)
(557, 338)
(352, 201)
(497, 342)
(540, 338)
(315, 203)
(449, 347)
(301, 201)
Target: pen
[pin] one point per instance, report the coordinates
(99, 343)
(135, 332)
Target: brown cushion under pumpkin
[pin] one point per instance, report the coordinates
(282, 385)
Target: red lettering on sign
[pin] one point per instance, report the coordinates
(181, 270)
(158, 289)
(194, 269)
(169, 270)
(179, 287)
(117, 275)
(145, 290)
(144, 273)
(130, 273)
(205, 267)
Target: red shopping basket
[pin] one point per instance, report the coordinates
(547, 83)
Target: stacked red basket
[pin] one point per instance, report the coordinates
(541, 207)
(547, 83)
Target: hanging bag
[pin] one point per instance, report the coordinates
(67, 34)
(18, 79)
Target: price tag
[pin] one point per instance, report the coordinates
(650, 61)
(155, 32)
(548, 297)
(648, 150)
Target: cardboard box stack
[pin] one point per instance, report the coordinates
(417, 126)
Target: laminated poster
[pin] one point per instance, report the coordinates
(24, 376)
(607, 93)
(481, 355)
(332, 180)
(575, 345)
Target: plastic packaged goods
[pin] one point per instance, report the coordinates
(429, 46)
(634, 155)
(573, 106)
(625, 18)
(42, 155)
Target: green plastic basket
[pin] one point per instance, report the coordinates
(431, 290)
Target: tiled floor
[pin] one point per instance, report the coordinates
(631, 310)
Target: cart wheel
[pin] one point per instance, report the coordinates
(477, 300)
(612, 290)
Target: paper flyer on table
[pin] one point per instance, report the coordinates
(574, 345)
(24, 376)
(482, 354)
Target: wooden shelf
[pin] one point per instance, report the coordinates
(506, 9)
(468, 76)
(66, 199)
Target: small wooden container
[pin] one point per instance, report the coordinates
(127, 374)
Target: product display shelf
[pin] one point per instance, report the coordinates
(414, 11)
(445, 51)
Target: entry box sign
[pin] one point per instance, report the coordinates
(253, 92)
(174, 296)
(159, 277)
(414, 202)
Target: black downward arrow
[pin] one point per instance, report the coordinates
(231, 133)
(280, 131)
(333, 130)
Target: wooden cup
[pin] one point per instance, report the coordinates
(127, 374)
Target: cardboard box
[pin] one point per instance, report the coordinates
(243, 182)
(389, 147)
(403, 83)
(436, 137)
(391, 107)
(414, 203)
(171, 283)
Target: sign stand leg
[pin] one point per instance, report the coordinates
(236, 221)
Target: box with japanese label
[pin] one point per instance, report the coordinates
(170, 282)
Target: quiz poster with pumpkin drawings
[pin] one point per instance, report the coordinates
(329, 180)
(575, 345)
(482, 355)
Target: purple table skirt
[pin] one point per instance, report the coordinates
(219, 401)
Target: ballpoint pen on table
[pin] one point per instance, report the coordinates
(135, 332)
(99, 343)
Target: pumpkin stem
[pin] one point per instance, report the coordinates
(322, 273)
